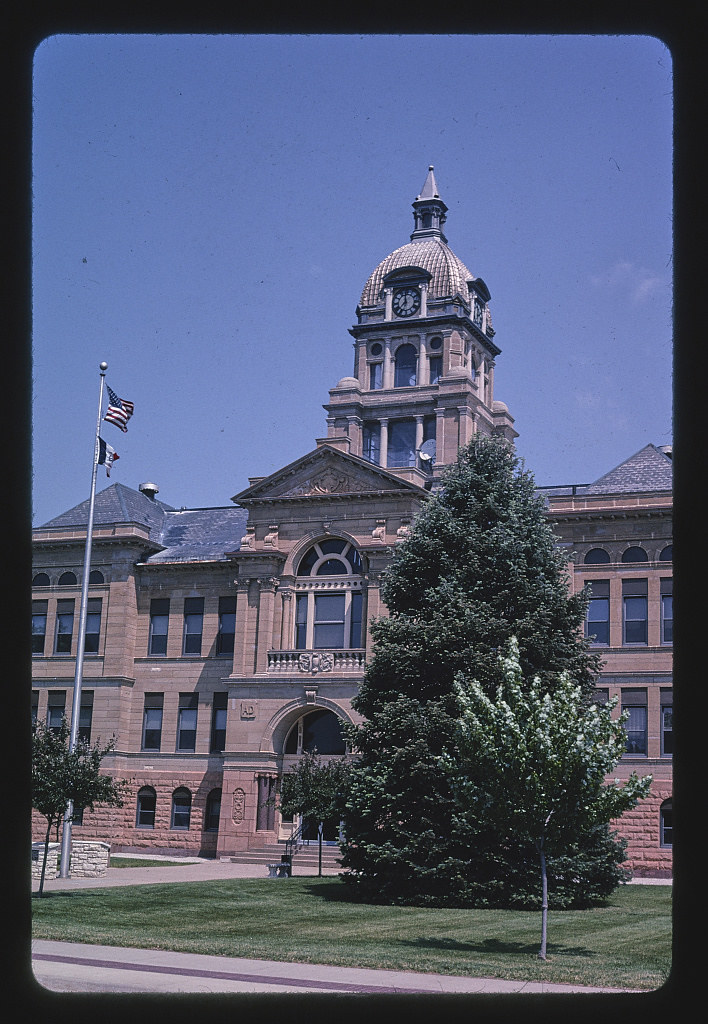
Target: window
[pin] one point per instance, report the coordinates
(96, 576)
(227, 626)
(265, 812)
(152, 721)
(145, 809)
(596, 556)
(667, 611)
(635, 555)
(372, 442)
(67, 579)
(39, 626)
(93, 625)
(35, 706)
(181, 809)
(40, 580)
(85, 715)
(375, 376)
(187, 721)
(667, 555)
(435, 369)
(64, 627)
(218, 722)
(56, 704)
(435, 344)
(406, 367)
(597, 622)
(159, 622)
(193, 623)
(667, 723)
(666, 831)
(376, 348)
(212, 811)
(317, 730)
(401, 444)
(477, 312)
(634, 600)
(329, 616)
(635, 702)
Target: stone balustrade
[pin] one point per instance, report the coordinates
(313, 662)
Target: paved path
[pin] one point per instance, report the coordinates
(75, 967)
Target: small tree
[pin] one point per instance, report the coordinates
(533, 762)
(60, 775)
(316, 790)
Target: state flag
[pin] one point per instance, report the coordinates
(106, 455)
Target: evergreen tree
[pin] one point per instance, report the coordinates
(480, 566)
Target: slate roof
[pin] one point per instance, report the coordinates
(187, 535)
(200, 534)
(647, 470)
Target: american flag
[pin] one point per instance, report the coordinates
(119, 411)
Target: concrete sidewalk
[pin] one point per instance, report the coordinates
(74, 967)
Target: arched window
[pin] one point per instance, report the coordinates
(145, 812)
(318, 730)
(329, 598)
(181, 808)
(667, 555)
(212, 811)
(666, 823)
(596, 556)
(67, 579)
(96, 576)
(634, 555)
(406, 367)
(40, 580)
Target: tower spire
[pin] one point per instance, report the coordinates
(429, 210)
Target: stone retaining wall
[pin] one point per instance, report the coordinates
(88, 860)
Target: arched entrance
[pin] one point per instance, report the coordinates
(316, 732)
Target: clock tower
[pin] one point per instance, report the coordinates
(424, 356)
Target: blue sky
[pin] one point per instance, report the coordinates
(207, 210)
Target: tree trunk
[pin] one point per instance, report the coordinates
(544, 899)
(44, 859)
(319, 870)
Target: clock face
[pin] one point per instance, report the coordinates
(406, 301)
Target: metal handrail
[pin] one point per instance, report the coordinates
(292, 840)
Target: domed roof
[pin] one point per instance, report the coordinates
(449, 275)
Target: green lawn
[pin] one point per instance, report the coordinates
(626, 943)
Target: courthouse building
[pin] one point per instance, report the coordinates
(221, 643)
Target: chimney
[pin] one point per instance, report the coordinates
(149, 489)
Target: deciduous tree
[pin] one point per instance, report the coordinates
(60, 775)
(533, 763)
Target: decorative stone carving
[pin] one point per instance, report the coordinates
(239, 806)
(271, 538)
(379, 531)
(404, 531)
(311, 695)
(248, 709)
(316, 662)
(249, 540)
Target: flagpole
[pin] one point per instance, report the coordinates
(78, 674)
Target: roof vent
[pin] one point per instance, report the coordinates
(667, 449)
(149, 489)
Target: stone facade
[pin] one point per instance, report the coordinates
(223, 642)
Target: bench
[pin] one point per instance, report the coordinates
(279, 870)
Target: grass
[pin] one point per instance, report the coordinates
(625, 943)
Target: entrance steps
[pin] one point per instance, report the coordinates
(303, 856)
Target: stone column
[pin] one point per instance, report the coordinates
(383, 443)
(388, 296)
(387, 366)
(418, 433)
(424, 298)
(266, 608)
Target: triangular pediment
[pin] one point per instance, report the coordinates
(325, 472)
